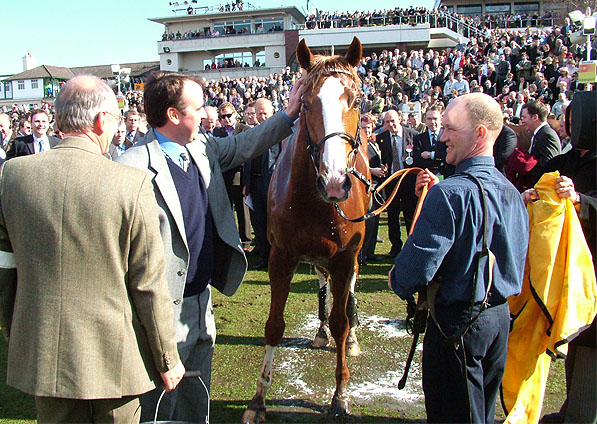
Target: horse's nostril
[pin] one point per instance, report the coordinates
(347, 184)
(321, 182)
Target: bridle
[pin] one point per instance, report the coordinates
(314, 148)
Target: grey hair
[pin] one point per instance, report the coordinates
(80, 101)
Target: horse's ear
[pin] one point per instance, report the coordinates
(304, 55)
(355, 52)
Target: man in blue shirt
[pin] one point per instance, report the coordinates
(464, 353)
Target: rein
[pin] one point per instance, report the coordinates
(401, 173)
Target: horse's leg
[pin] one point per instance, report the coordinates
(324, 295)
(281, 269)
(342, 273)
(352, 344)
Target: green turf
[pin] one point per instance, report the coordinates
(239, 354)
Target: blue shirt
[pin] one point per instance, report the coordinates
(171, 149)
(449, 234)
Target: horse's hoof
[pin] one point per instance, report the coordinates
(340, 407)
(353, 349)
(253, 417)
(320, 342)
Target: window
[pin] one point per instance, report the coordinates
(228, 60)
(20, 85)
(497, 8)
(34, 84)
(526, 8)
(474, 9)
(241, 26)
(269, 24)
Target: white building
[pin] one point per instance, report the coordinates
(263, 41)
(34, 85)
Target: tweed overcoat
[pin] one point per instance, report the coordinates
(89, 315)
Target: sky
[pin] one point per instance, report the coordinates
(84, 33)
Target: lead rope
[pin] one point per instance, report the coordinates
(401, 173)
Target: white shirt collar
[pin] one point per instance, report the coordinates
(539, 127)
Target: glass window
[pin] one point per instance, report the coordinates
(241, 26)
(526, 7)
(497, 8)
(20, 85)
(7, 87)
(269, 24)
(34, 84)
(474, 9)
(236, 59)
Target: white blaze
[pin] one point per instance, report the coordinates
(334, 156)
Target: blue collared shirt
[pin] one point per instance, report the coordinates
(449, 234)
(171, 149)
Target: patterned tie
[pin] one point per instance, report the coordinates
(184, 161)
(433, 139)
(41, 145)
(396, 154)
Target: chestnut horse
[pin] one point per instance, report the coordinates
(322, 167)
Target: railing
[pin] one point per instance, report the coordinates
(199, 34)
(435, 19)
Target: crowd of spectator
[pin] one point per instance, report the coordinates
(417, 15)
(513, 66)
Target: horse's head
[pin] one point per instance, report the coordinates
(331, 114)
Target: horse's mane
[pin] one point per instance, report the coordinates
(324, 66)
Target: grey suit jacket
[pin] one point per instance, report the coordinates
(89, 316)
(212, 156)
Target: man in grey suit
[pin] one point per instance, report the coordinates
(198, 230)
(88, 319)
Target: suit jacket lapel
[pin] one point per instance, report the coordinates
(30, 145)
(199, 155)
(165, 184)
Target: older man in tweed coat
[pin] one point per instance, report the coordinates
(89, 317)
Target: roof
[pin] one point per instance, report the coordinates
(44, 71)
(238, 14)
(105, 71)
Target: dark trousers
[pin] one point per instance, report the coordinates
(405, 201)
(461, 382)
(586, 339)
(237, 200)
(60, 410)
(259, 216)
(371, 230)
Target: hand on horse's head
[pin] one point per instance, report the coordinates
(294, 101)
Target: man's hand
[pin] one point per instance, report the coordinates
(565, 189)
(378, 172)
(529, 195)
(294, 101)
(426, 155)
(425, 177)
(172, 378)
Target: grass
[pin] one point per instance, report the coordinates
(304, 377)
